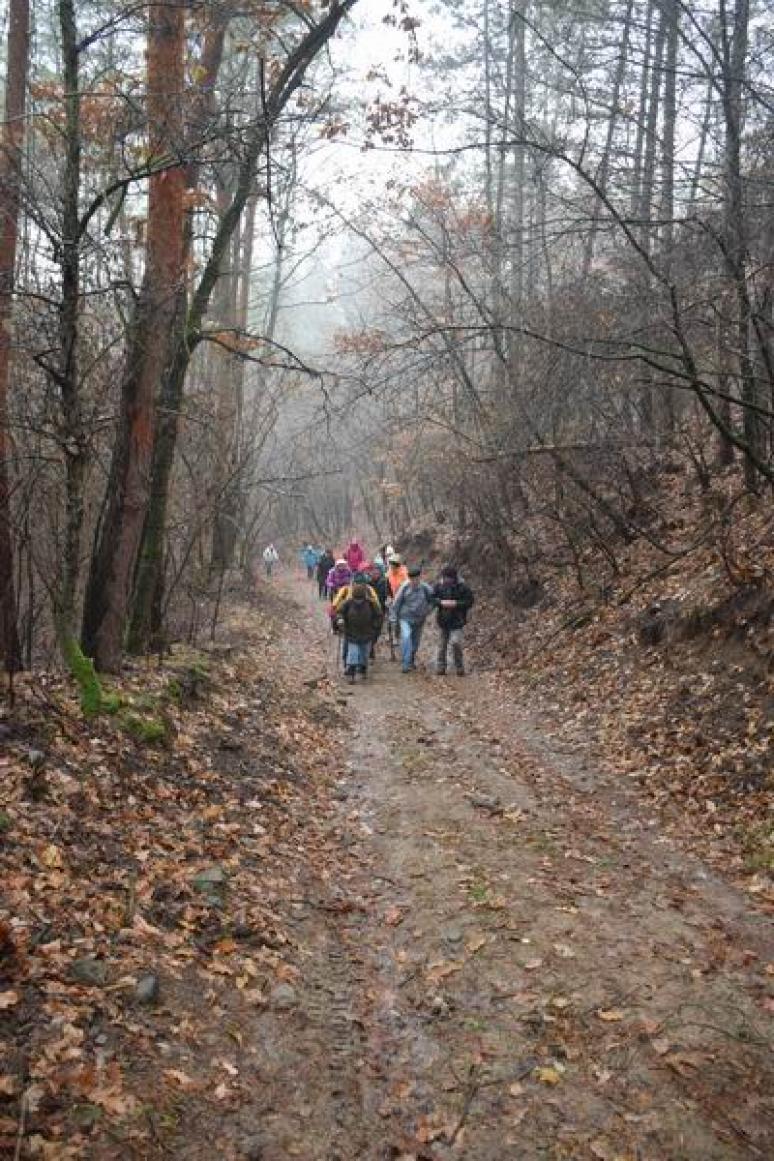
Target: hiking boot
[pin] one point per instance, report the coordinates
(460, 672)
(440, 673)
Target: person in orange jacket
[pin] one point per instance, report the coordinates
(397, 573)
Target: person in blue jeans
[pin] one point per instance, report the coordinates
(361, 620)
(414, 601)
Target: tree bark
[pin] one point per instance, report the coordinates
(67, 375)
(115, 556)
(188, 332)
(734, 35)
(672, 23)
(11, 142)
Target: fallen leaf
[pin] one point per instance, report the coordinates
(439, 971)
(394, 916)
(181, 1078)
(547, 1075)
(564, 950)
(611, 1015)
(8, 999)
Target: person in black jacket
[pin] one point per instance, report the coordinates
(324, 566)
(454, 600)
(361, 621)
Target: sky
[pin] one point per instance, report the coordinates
(374, 61)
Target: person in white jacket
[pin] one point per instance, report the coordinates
(270, 558)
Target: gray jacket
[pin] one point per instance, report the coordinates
(413, 604)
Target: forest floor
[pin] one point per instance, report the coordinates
(400, 920)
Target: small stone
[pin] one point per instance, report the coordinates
(283, 997)
(210, 879)
(453, 935)
(89, 971)
(147, 989)
(486, 802)
(252, 1149)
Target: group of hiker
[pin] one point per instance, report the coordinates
(363, 595)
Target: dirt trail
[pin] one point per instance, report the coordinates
(511, 961)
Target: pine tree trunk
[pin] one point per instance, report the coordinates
(149, 580)
(115, 556)
(18, 54)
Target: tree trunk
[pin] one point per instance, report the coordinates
(672, 22)
(224, 364)
(18, 55)
(734, 58)
(187, 334)
(67, 377)
(517, 248)
(118, 541)
(642, 108)
(148, 590)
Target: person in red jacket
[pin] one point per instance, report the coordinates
(354, 556)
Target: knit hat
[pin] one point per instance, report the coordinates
(450, 571)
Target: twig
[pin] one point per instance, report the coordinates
(471, 1089)
(131, 901)
(22, 1125)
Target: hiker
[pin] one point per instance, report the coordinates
(346, 591)
(397, 573)
(454, 601)
(354, 556)
(360, 620)
(323, 567)
(378, 582)
(339, 576)
(410, 610)
(310, 556)
(372, 587)
(270, 559)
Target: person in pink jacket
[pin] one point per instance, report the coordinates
(355, 556)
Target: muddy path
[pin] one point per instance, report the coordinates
(509, 961)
